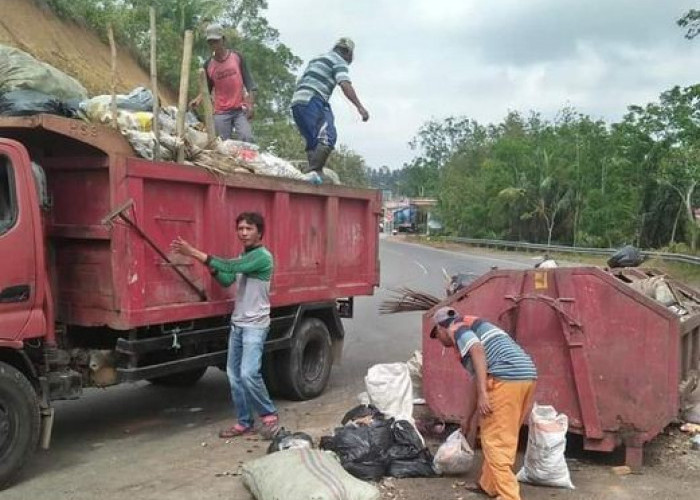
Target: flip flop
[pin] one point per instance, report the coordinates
(235, 431)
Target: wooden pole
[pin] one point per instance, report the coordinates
(184, 86)
(206, 103)
(154, 86)
(113, 49)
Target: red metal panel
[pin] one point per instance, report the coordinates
(607, 356)
(170, 210)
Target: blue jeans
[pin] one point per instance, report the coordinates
(316, 123)
(245, 349)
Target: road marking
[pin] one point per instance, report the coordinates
(462, 254)
(425, 271)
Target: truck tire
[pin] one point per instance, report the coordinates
(305, 368)
(180, 379)
(19, 422)
(271, 373)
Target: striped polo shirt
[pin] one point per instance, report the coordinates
(505, 359)
(320, 78)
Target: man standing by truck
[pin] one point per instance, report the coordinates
(250, 322)
(310, 108)
(233, 86)
(503, 386)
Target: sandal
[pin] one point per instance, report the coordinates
(270, 426)
(235, 431)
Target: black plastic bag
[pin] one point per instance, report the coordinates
(407, 443)
(627, 256)
(31, 102)
(408, 455)
(362, 449)
(350, 444)
(285, 440)
(367, 471)
(362, 411)
(367, 442)
(420, 466)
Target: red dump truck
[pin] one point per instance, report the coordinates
(90, 294)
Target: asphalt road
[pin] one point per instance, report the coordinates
(144, 442)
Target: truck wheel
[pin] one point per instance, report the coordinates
(180, 379)
(271, 373)
(307, 365)
(19, 422)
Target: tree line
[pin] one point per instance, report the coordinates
(571, 180)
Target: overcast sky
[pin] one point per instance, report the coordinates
(422, 59)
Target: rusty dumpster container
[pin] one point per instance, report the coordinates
(615, 360)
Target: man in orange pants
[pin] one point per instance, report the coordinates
(503, 387)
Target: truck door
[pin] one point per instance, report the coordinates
(18, 267)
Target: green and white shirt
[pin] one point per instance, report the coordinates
(252, 271)
(320, 78)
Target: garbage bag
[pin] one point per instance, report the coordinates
(302, 474)
(390, 389)
(454, 456)
(370, 470)
(691, 407)
(361, 412)
(407, 443)
(546, 442)
(420, 466)
(139, 99)
(21, 71)
(627, 256)
(285, 440)
(31, 102)
(408, 455)
(365, 442)
(415, 369)
(362, 449)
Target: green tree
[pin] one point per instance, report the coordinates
(691, 23)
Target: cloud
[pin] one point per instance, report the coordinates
(417, 60)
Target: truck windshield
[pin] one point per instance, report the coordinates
(8, 206)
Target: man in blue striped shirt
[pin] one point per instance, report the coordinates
(503, 388)
(310, 108)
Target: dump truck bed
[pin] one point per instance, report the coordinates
(324, 238)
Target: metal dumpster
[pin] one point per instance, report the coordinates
(616, 361)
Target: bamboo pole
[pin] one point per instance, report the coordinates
(206, 103)
(154, 86)
(182, 101)
(113, 50)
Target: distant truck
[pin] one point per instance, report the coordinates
(90, 294)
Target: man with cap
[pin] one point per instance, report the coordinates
(502, 388)
(310, 108)
(233, 86)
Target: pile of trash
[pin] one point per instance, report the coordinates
(29, 87)
(678, 298)
(371, 445)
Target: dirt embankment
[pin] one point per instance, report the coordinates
(71, 48)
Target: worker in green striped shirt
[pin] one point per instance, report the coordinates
(310, 107)
(250, 322)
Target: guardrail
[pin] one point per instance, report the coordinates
(522, 245)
